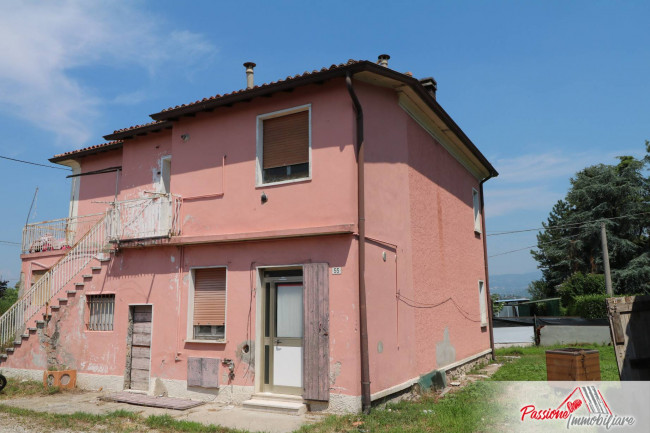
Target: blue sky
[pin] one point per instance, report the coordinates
(543, 88)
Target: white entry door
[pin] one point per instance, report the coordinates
(284, 338)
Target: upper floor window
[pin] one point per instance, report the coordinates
(284, 146)
(477, 210)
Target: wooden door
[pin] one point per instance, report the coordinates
(316, 385)
(629, 321)
(140, 347)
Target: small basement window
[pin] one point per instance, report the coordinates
(209, 304)
(483, 303)
(284, 142)
(101, 311)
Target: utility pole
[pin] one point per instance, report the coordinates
(608, 275)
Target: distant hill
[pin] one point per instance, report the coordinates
(513, 285)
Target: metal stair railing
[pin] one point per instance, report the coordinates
(94, 242)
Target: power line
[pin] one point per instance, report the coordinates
(571, 225)
(534, 246)
(9, 242)
(33, 163)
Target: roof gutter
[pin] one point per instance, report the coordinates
(485, 260)
(361, 224)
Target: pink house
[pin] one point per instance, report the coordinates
(312, 243)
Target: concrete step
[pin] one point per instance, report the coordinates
(62, 300)
(281, 404)
(40, 323)
(78, 286)
(25, 335)
(87, 275)
(95, 268)
(32, 329)
(17, 343)
(71, 292)
(3, 356)
(10, 350)
(55, 307)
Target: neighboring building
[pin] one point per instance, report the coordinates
(219, 245)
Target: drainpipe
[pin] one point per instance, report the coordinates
(485, 259)
(363, 317)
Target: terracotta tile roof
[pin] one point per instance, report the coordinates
(145, 125)
(87, 151)
(289, 78)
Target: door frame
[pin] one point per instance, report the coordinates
(260, 316)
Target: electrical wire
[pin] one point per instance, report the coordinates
(33, 163)
(535, 246)
(571, 225)
(417, 304)
(9, 242)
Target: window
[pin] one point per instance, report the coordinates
(477, 211)
(284, 146)
(208, 304)
(482, 300)
(101, 310)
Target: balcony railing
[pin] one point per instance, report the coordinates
(59, 234)
(157, 216)
(152, 217)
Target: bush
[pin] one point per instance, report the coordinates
(591, 306)
(580, 284)
(9, 297)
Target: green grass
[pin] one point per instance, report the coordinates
(28, 388)
(466, 410)
(532, 362)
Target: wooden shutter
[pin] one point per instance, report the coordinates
(316, 381)
(210, 296)
(286, 140)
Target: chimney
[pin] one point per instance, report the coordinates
(250, 80)
(430, 85)
(382, 60)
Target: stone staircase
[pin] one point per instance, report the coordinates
(276, 403)
(96, 268)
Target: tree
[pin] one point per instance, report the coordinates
(570, 243)
(3, 287)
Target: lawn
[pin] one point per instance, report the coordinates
(531, 364)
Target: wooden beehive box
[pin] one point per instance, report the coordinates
(572, 364)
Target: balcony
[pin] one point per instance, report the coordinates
(58, 234)
(145, 218)
(140, 219)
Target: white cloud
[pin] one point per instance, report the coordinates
(44, 43)
(535, 182)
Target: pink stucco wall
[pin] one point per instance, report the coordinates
(159, 279)
(418, 213)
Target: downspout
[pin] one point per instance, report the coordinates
(485, 259)
(363, 316)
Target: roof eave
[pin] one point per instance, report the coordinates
(144, 130)
(75, 155)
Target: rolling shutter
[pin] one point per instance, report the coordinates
(316, 355)
(210, 296)
(286, 140)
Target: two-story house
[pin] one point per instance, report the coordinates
(315, 242)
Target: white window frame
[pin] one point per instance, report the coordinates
(483, 303)
(190, 309)
(476, 207)
(259, 175)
